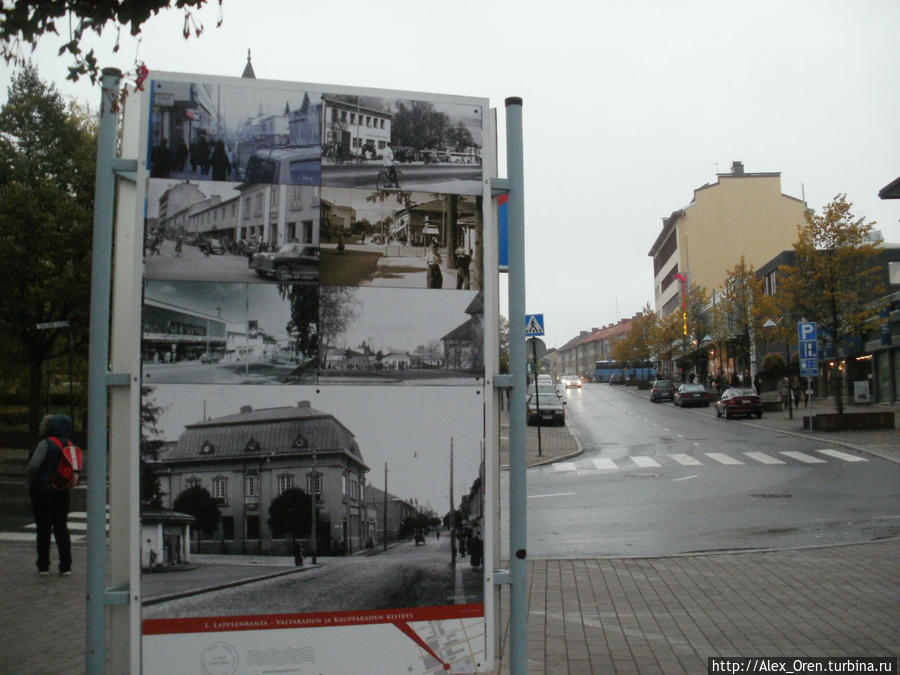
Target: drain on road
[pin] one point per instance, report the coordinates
(772, 495)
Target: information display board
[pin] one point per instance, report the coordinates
(313, 378)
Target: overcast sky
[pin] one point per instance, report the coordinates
(628, 107)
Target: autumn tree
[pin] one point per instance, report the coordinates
(24, 22)
(47, 156)
(834, 279)
(637, 345)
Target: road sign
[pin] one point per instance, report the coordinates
(536, 349)
(534, 325)
(806, 330)
(809, 350)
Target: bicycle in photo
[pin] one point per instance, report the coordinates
(384, 180)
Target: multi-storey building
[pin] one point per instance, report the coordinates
(578, 355)
(353, 130)
(740, 215)
(278, 214)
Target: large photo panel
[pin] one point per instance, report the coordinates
(220, 231)
(400, 239)
(230, 476)
(396, 143)
(229, 333)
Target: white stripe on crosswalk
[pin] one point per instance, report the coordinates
(763, 457)
(644, 461)
(837, 454)
(565, 466)
(802, 457)
(722, 459)
(603, 463)
(686, 460)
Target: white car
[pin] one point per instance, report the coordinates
(571, 381)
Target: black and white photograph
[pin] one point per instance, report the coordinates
(230, 476)
(402, 144)
(205, 130)
(229, 333)
(400, 239)
(400, 336)
(215, 231)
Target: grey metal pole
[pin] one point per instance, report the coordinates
(518, 610)
(98, 367)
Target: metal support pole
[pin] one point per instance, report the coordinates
(98, 366)
(518, 611)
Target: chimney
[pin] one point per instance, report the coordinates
(246, 409)
(303, 404)
(737, 168)
(594, 330)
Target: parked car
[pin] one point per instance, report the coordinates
(212, 246)
(691, 394)
(287, 165)
(617, 378)
(290, 262)
(210, 357)
(552, 410)
(662, 390)
(739, 401)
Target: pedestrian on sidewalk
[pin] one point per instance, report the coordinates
(434, 276)
(784, 392)
(50, 505)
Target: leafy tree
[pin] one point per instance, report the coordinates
(197, 502)
(24, 22)
(151, 490)
(46, 197)
(291, 513)
(338, 308)
(637, 344)
(744, 308)
(834, 279)
(663, 332)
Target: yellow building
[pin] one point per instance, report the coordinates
(741, 214)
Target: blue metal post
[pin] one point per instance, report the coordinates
(98, 367)
(517, 438)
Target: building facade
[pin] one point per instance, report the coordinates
(247, 459)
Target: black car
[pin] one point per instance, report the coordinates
(662, 390)
(617, 378)
(739, 401)
(551, 410)
(291, 261)
(691, 394)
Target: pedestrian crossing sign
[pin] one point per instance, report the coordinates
(534, 325)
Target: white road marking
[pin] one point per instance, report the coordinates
(643, 461)
(802, 457)
(565, 466)
(837, 454)
(686, 460)
(685, 478)
(604, 463)
(722, 459)
(763, 457)
(555, 494)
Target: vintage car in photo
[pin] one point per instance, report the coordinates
(291, 262)
(288, 165)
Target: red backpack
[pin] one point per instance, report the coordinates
(71, 464)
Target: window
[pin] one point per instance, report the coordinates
(300, 441)
(193, 481)
(251, 485)
(343, 115)
(894, 271)
(207, 448)
(307, 231)
(247, 208)
(381, 145)
(252, 445)
(220, 489)
(344, 485)
(314, 483)
(352, 118)
(771, 283)
(285, 482)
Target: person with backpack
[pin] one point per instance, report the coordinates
(52, 471)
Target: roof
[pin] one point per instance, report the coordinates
(891, 190)
(276, 431)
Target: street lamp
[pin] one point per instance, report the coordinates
(787, 361)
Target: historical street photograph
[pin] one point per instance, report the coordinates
(228, 333)
(402, 144)
(235, 481)
(400, 239)
(216, 231)
(400, 336)
(235, 131)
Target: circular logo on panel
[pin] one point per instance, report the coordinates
(219, 658)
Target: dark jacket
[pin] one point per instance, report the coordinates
(47, 454)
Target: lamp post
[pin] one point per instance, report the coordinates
(787, 362)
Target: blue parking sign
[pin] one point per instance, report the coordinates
(806, 331)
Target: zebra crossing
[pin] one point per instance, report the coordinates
(708, 459)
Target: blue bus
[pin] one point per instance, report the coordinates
(638, 371)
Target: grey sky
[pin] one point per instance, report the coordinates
(628, 107)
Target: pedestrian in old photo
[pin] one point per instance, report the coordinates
(434, 276)
(463, 260)
(49, 504)
(221, 166)
(161, 160)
